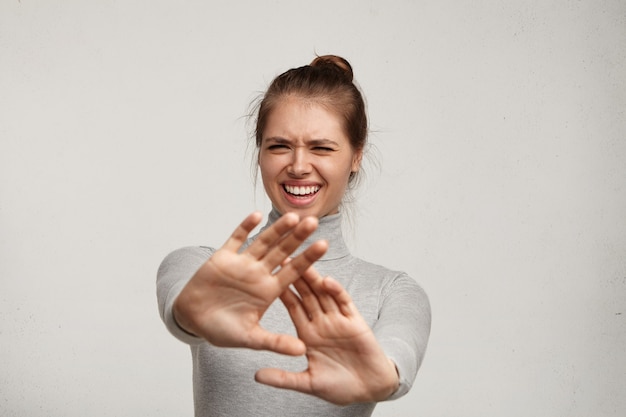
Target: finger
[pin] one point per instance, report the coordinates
(340, 296)
(271, 236)
(316, 283)
(285, 247)
(278, 378)
(296, 267)
(294, 307)
(309, 301)
(261, 339)
(240, 235)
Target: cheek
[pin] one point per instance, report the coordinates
(341, 170)
(262, 163)
(269, 165)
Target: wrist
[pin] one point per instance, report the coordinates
(177, 320)
(396, 378)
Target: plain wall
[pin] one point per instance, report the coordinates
(499, 129)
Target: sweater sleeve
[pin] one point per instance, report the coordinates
(176, 269)
(403, 328)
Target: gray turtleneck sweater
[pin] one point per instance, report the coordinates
(392, 303)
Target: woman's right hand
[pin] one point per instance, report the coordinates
(225, 299)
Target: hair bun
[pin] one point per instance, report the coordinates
(335, 63)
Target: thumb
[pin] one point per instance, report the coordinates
(261, 339)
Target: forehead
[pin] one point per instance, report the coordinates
(297, 118)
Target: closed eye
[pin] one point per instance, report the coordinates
(277, 147)
(323, 149)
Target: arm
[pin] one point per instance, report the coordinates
(403, 328)
(173, 274)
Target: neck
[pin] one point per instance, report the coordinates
(329, 229)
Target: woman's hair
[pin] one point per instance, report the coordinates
(328, 82)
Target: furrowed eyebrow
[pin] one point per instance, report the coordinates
(313, 142)
(277, 140)
(323, 142)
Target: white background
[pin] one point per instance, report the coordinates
(500, 131)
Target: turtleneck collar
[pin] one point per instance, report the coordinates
(329, 229)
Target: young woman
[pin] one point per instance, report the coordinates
(288, 322)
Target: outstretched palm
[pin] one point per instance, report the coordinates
(345, 362)
(225, 299)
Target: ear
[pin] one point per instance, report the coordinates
(356, 160)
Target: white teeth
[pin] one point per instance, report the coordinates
(302, 190)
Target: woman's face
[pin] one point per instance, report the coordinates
(305, 158)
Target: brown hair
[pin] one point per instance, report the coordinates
(328, 81)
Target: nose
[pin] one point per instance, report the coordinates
(300, 163)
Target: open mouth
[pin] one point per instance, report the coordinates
(301, 191)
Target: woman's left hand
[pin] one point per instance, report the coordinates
(346, 363)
